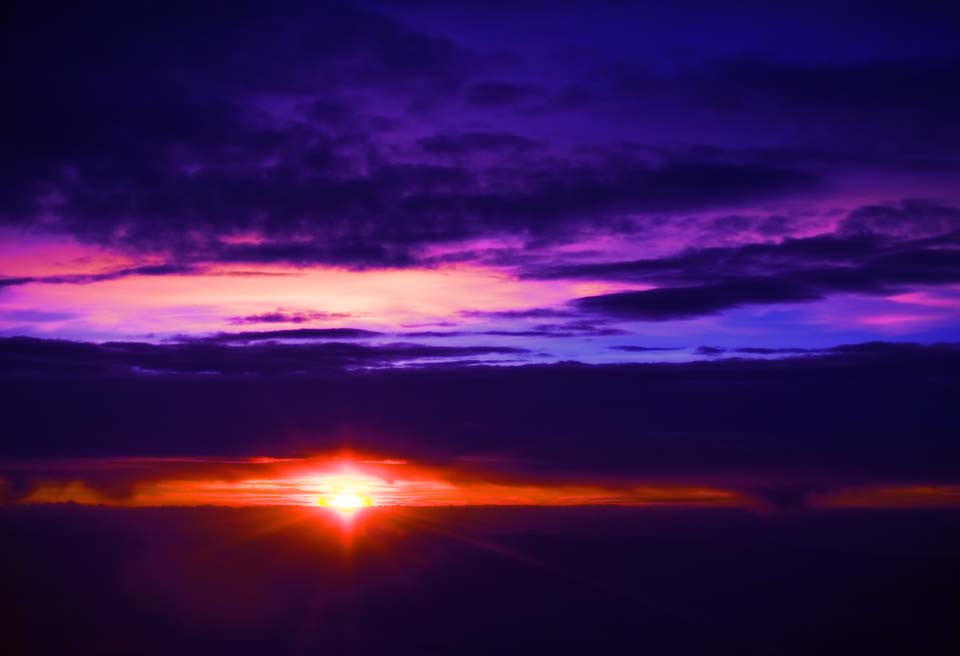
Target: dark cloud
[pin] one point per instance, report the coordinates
(580, 328)
(754, 259)
(13, 282)
(633, 348)
(349, 252)
(316, 140)
(757, 350)
(875, 250)
(842, 413)
(686, 302)
(287, 316)
(910, 219)
(532, 313)
(360, 138)
(177, 153)
(497, 94)
(217, 355)
(435, 333)
(116, 274)
(736, 225)
(884, 275)
(290, 334)
(710, 351)
(431, 324)
(474, 142)
(151, 133)
(384, 217)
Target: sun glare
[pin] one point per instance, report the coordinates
(346, 501)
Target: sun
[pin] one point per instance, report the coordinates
(346, 501)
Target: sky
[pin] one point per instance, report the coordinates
(422, 327)
(516, 184)
(584, 217)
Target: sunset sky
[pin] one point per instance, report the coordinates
(692, 258)
(242, 192)
(560, 184)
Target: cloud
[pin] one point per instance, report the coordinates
(633, 348)
(709, 351)
(116, 274)
(287, 316)
(318, 149)
(581, 328)
(876, 250)
(363, 138)
(386, 215)
(885, 274)
(687, 302)
(291, 334)
(756, 350)
(912, 218)
(327, 146)
(531, 313)
(220, 356)
(476, 142)
(752, 259)
(497, 94)
(880, 411)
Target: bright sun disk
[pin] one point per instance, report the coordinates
(346, 501)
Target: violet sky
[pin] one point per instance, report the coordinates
(456, 182)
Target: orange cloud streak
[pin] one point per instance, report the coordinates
(144, 482)
(305, 482)
(892, 496)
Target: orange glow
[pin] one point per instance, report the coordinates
(346, 483)
(68, 492)
(892, 496)
(341, 483)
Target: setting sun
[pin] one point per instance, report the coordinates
(346, 501)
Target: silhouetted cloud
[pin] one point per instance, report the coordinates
(877, 250)
(757, 350)
(290, 334)
(910, 219)
(531, 313)
(288, 316)
(176, 155)
(882, 275)
(710, 351)
(581, 328)
(840, 413)
(218, 355)
(634, 348)
(90, 278)
(685, 302)
(334, 146)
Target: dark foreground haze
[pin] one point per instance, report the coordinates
(478, 581)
